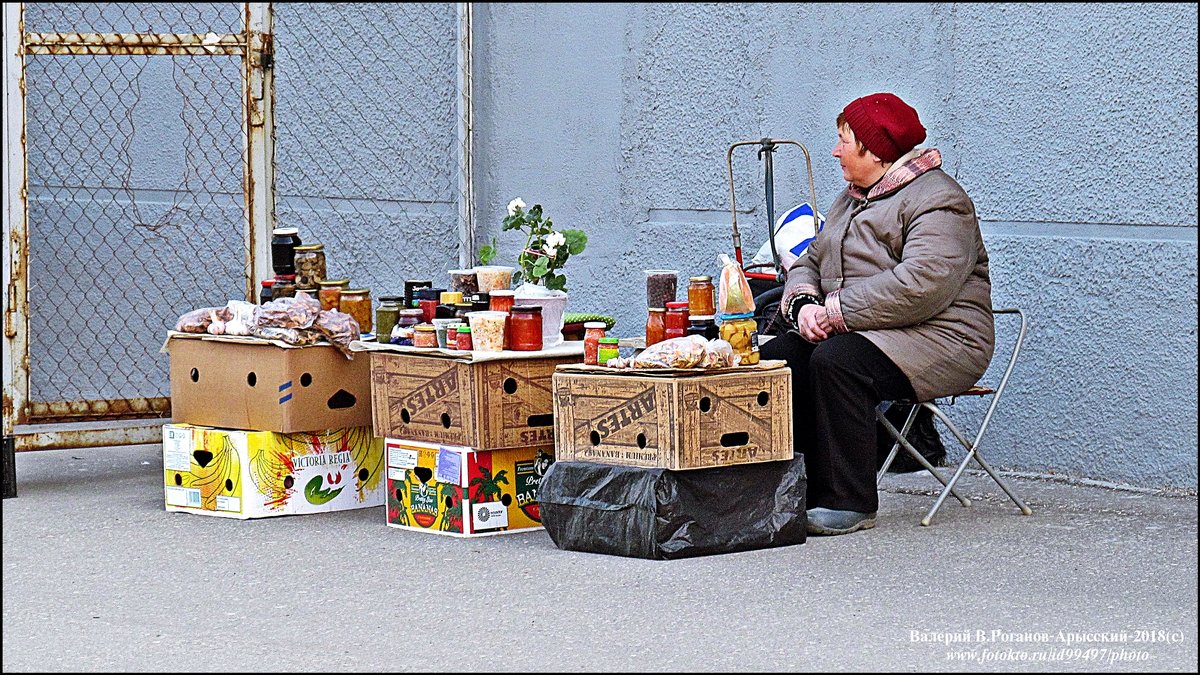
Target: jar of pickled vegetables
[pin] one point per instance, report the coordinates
(330, 293)
(701, 296)
(741, 331)
(310, 266)
(285, 286)
(676, 321)
(386, 315)
(357, 303)
(608, 350)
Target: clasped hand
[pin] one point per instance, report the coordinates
(813, 323)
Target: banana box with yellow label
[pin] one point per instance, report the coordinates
(462, 491)
(256, 474)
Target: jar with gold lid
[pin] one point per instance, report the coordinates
(330, 293)
(310, 266)
(357, 303)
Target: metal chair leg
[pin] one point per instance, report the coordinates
(902, 440)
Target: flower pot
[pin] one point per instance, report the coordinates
(554, 306)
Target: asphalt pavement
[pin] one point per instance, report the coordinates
(99, 577)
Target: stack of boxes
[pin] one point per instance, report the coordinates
(264, 429)
(467, 438)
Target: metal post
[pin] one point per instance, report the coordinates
(259, 118)
(466, 200)
(8, 458)
(16, 231)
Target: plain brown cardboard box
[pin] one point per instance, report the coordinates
(258, 386)
(691, 421)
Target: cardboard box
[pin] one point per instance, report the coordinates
(258, 386)
(688, 420)
(255, 474)
(487, 405)
(464, 492)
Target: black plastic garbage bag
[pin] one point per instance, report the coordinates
(661, 514)
(923, 435)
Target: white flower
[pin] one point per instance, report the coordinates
(514, 205)
(553, 241)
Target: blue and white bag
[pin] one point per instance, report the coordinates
(794, 231)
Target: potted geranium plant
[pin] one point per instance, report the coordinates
(539, 278)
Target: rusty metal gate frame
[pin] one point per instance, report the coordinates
(255, 47)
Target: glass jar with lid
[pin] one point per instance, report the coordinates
(265, 295)
(701, 296)
(330, 293)
(704, 326)
(592, 332)
(357, 303)
(386, 315)
(525, 324)
(656, 326)
(406, 322)
(741, 332)
(284, 241)
(462, 338)
(284, 286)
(608, 350)
(425, 335)
(676, 321)
(310, 266)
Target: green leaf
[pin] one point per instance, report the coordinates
(541, 267)
(516, 278)
(576, 240)
(536, 212)
(556, 282)
(512, 223)
(487, 253)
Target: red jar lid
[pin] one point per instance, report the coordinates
(677, 305)
(268, 283)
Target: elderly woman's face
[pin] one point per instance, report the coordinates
(858, 166)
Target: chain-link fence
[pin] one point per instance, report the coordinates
(136, 203)
(367, 144)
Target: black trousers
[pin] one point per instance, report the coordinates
(836, 386)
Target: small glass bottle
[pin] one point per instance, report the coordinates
(284, 287)
(741, 332)
(592, 332)
(608, 350)
(284, 241)
(462, 338)
(525, 322)
(265, 295)
(330, 293)
(701, 296)
(357, 303)
(676, 322)
(386, 315)
(656, 326)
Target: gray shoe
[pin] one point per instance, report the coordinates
(829, 521)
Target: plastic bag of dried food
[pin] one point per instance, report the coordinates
(300, 337)
(293, 312)
(197, 320)
(339, 328)
(734, 294)
(719, 354)
(680, 352)
(240, 317)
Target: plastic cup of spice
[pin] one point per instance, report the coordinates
(493, 277)
(660, 287)
(487, 330)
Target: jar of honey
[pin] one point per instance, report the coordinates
(676, 322)
(357, 303)
(330, 293)
(701, 296)
(525, 323)
(593, 331)
(656, 326)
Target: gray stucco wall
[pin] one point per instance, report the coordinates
(1073, 127)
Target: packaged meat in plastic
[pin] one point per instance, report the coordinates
(680, 352)
(339, 328)
(197, 320)
(734, 295)
(719, 354)
(299, 311)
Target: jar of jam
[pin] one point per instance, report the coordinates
(264, 296)
(452, 336)
(357, 303)
(704, 326)
(330, 293)
(424, 335)
(462, 338)
(406, 321)
(656, 326)
(386, 315)
(741, 331)
(608, 350)
(310, 266)
(701, 296)
(676, 321)
(592, 332)
(525, 322)
(427, 301)
(501, 300)
(284, 241)
(284, 287)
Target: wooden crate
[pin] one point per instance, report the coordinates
(489, 405)
(676, 420)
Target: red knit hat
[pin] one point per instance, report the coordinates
(888, 126)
